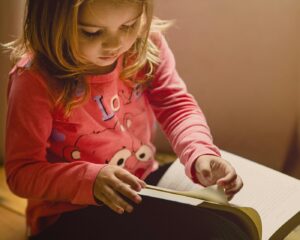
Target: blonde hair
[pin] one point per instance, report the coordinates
(50, 35)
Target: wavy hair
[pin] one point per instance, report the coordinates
(50, 34)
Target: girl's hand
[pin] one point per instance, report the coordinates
(212, 170)
(112, 182)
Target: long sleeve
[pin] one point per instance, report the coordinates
(29, 125)
(178, 113)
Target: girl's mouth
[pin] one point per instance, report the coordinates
(108, 57)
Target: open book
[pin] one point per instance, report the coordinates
(267, 207)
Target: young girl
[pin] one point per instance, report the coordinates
(90, 78)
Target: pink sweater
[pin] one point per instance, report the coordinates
(54, 161)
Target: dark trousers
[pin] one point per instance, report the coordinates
(151, 220)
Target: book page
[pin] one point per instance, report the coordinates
(212, 193)
(274, 195)
(171, 197)
(175, 178)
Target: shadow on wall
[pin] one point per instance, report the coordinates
(11, 16)
(241, 60)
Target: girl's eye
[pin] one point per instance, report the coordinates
(91, 34)
(129, 27)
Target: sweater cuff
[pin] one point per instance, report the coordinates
(85, 193)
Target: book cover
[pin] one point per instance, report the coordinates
(267, 207)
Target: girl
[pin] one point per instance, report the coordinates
(90, 76)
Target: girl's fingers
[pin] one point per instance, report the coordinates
(131, 180)
(142, 183)
(214, 170)
(101, 197)
(125, 190)
(230, 196)
(228, 178)
(111, 205)
(115, 199)
(233, 188)
(112, 183)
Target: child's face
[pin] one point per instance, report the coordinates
(107, 30)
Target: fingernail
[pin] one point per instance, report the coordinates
(129, 209)
(222, 184)
(137, 199)
(120, 210)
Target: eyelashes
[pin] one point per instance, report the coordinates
(129, 27)
(99, 33)
(92, 34)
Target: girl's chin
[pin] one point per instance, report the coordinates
(107, 60)
(105, 67)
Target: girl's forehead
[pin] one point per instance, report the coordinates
(103, 12)
(114, 1)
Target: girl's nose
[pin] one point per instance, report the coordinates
(112, 43)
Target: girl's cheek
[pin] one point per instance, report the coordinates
(89, 47)
(131, 39)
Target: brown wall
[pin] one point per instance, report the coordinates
(240, 59)
(11, 14)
